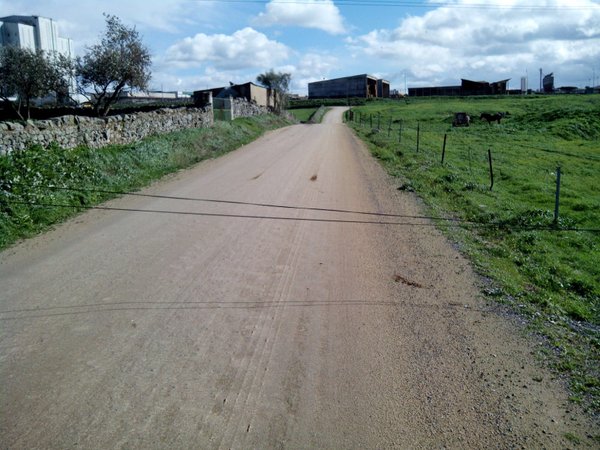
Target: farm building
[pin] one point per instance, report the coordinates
(363, 86)
(467, 87)
(434, 91)
(249, 91)
(34, 33)
(38, 34)
(549, 83)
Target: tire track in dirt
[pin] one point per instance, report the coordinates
(164, 331)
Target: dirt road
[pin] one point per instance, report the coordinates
(240, 325)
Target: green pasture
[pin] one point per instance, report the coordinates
(548, 270)
(303, 114)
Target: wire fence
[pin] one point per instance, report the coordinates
(492, 161)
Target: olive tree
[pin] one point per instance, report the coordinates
(27, 74)
(278, 84)
(119, 61)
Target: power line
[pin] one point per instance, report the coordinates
(453, 223)
(414, 4)
(235, 202)
(205, 214)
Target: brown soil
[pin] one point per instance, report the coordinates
(241, 326)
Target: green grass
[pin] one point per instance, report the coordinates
(303, 114)
(318, 115)
(39, 176)
(548, 275)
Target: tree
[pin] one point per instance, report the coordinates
(278, 85)
(119, 61)
(27, 74)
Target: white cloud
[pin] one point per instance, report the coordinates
(209, 78)
(83, 21)
(319, 14)
(310, 67)
(450, 43)
(243, 49)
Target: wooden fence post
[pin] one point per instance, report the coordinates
(557, 196)
(491, 169)
(444, 149)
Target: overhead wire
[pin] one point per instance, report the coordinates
(233, 202)
(449, 223)
(415, 4)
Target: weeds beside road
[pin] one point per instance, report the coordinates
(35, 177)
(550, 276)
(303, 114)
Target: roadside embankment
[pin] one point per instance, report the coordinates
(317, 116)
(40, 187)
(520, 197)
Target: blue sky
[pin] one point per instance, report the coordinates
(198, 44)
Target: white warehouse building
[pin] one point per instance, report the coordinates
(35, 33)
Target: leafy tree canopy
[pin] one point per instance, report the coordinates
(27, 74)
(278, 84)
(119, 61)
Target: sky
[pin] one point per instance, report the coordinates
(199, 44)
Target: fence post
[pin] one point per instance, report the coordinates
(557, 198)
(444, 149)
(418, 135)
(371, 121)
(378, 121)
(390, 127)
(491, 169)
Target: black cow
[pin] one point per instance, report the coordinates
(461, 119)
(492, 117)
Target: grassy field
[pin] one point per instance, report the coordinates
(548, 272)
(303, 114)
(37, 177)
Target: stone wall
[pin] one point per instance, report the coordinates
(242, 108)
(71, 131)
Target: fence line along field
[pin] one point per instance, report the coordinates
(498, 180)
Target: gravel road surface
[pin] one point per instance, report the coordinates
(266, 317)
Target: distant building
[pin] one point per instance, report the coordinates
(383, 89)
(35, 33)
(524, 86)
(249, 91)
(152, 96)
(548, 83)
(434, 91)
(362, 86)
(467, 87)
(570, 90)
(395, 93)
